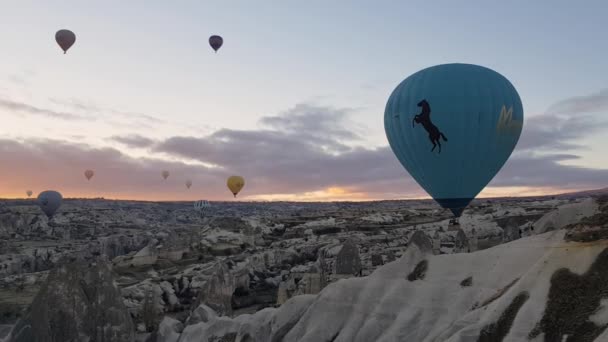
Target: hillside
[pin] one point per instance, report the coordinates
(388, 271)
(538, 288)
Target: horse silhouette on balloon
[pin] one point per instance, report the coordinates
(424, 118)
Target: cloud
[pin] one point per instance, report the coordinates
(558, 132)
(133, 140)
(76, 104)
(537, 159)
(564, 123)
(280, 163)
(17, 79)
(581, 104)
(289, 155)
(139, 117)
(20, 78)
(303, 153)
(275, 164)
(297, 155)
(83, 110)
(136, 119)
(357, 174)
(316, 121)
(546, 171)
(54, 164)
(33, 110)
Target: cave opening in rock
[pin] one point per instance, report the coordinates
(250, 300)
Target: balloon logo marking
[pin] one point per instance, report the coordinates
(506, 124)
(424, 118)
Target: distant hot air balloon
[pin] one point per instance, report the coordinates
(235, 184)
(452, 127)
(49, 201)
(89, 174)
(165, 174)
(29, 193)
(65, 39)
(216, 42)
(188, 184)
(201, 206)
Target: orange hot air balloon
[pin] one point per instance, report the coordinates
(188, 184)
(65, 39)
(89, 174)
(165, 174)
(235, 184)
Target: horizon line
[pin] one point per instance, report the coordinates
(426, 198)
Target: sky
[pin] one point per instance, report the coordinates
(294, 100)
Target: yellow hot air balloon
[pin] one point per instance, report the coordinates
(165, 174)
(188, 184)
(89, 174)
(235, 184)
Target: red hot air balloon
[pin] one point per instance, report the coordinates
(65, 39)
(216, 42)
(89, 174)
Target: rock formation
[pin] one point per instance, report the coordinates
(79, 301)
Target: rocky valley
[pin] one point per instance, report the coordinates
(104, 270)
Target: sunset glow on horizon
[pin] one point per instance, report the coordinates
(326, 195)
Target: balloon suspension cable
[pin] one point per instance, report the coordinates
(64, 51)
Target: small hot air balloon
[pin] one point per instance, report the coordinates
(201, 206)
(188, 184)
(49, 201)
(216, 42)
(89, 174)
(65, 39)
(235, 184)
(452, 127)
(29, 193)
(165, 174)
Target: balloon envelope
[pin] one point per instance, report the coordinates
(452, 127)
(235, 184)
(49, 201)
(29, 193)
(65, 39)
(165, 174)
(201, 205)
(216, 42)
(188, 184)
(89, 174)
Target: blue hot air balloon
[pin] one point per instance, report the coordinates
(452, 127)
(49, 201)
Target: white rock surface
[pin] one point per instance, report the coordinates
(566, 214)
(169, 330)
(386, 306)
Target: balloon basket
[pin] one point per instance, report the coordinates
(454, 224)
